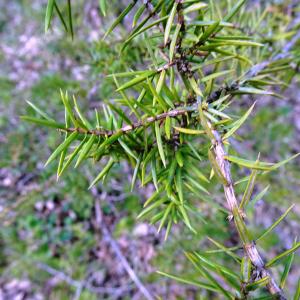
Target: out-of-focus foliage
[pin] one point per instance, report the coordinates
(59, 232)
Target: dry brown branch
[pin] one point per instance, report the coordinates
(101, 226)
(80, 285)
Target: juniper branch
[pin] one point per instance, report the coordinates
(224, 166)
(128, 128)
(225, 90)
(250, 247)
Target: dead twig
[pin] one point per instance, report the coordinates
(80, 285)
(101, 226)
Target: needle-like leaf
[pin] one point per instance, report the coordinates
(246, 269)
(127, 149)
(70, 18)
(102, 5)
(72, 157)
(120, 18)
(62, 147)
(237, 124)
(193, 282)
(250, 164)
(170, 22)
(258, 165)
(287, 268)
(281, 218)
(48, 123)
(174, 41)
(159, 143)
(225, 249)
(154, 205)
(49, 12)
(276, 259)
(102, 173)
(189, 131)
(85, 150)
(207, 274)
(135, 173)
(61, 17)
(234, 10)
(194, 7)
(215, 75)
(256, 284)
(165, 215)
(136, 80)
(210, 30)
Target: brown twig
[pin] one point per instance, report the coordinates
(78, 285)
(101, 226)
(142, 123)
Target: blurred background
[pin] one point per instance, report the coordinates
(50, 244)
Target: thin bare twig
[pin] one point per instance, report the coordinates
(101, 226)
(80, 285)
